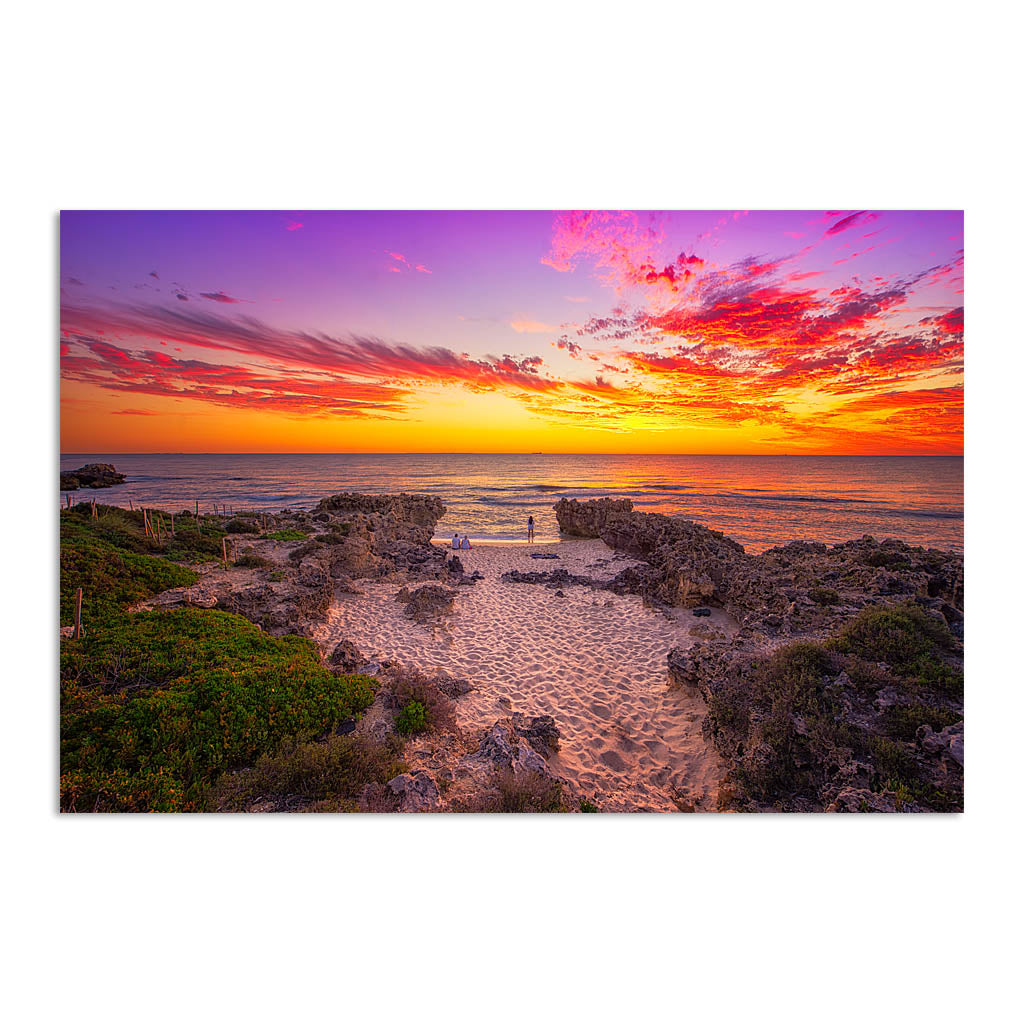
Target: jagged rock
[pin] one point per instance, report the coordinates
(701, 611)
(947, 744)
(451, 686)
(416, 791)
(502, 747)
(540, 732)
(429, 602)
(557, 578)
(774, 592)
(852, 800)
(346, 657)
(544, 554)
(93, 475)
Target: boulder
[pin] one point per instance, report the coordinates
(430, 602)
(540, 732)
(94, 475)
(416, 791)
(346, 657)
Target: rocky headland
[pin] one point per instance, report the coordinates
(94, 475)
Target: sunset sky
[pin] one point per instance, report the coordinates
(689, 332)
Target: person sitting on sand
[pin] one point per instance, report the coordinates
(465, 543)
(529, 529)
(455, 542)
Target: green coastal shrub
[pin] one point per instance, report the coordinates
(899, 635)
(287, 534)
(332, 773)
(786, 719)
(250, 560)
(411, 719)
(155, 707)
(111, 578)
(125, 531)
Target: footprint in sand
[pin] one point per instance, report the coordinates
(614, 761)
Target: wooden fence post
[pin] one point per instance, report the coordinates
(131, 507)
(172, 524)
(224, 550)
(77, 635)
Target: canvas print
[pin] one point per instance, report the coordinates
(511, 511)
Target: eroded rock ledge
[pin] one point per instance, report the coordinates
(287, 586)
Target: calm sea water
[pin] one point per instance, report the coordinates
(759, 500)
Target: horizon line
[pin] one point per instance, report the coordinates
(715, 455)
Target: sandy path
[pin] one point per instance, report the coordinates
(593, 660)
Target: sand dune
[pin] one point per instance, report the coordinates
(593, 660)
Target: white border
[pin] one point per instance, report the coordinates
(528, 106)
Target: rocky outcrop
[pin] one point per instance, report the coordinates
(540, 732)
(94, 475)
(787, 591)
(378, 535)
(416, 791)
(346, 657)
(504, 747)
(428, 603)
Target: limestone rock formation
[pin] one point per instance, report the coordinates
(429, 603)
(94, 475)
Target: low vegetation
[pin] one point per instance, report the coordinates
(154, 708)
(287, 534)
(411, 719)
(811, 712)
(311, 775)
(525, 793)
(156, 705)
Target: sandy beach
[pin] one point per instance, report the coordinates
(593, 660)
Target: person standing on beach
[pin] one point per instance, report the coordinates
(529, 529)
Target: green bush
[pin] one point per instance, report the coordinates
(287, 534)
(892, 760)
(125, 531)
(408, 687)
(335, 771)
(239, 525)
(899, 635)
(111, 579)
(411, 719)
(155, 707)
(823, 595)
(903, 720)
(250, 560)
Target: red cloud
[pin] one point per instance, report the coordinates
(219, 297)
(861, 217)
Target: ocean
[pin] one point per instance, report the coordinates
(759, 500)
